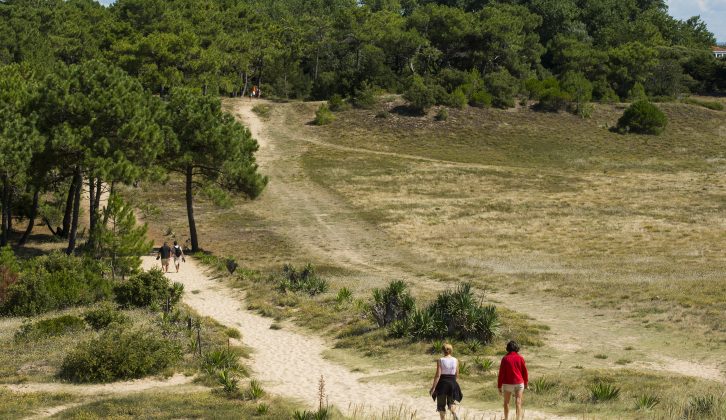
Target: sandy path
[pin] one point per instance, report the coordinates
(290, 364)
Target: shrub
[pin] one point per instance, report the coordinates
(644, 118)
(344, 295)
(304, 280)
(52, 327)
(457, 98)
(147, 288)
(481, 99)
(221, 359)
(337, 103)
(484, 365)
(419, 96)
(464, 369)
(637, 93)
(323, 115)
(553, 99)
(541, 385)
(503, 87)
(228, 381)
(9, 272)
(460, 315)
(646, 402)
(255, 391)
(577, 86)
(103, 316)
(699, 406)
(601, 392)
(56, 281)
(119, 354)
(365, 97)
(391, 304)
(442, 115)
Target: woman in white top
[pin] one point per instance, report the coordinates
(445, 389)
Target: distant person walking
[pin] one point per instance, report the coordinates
(164, 253)
(445, 389)
(178, 255)
(513, 379)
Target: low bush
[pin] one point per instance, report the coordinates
(481, 99)
(119, 354)
(646, 402)
(56, 281)
(104, 315)
(457, 98)
(419, 96)
(53, 327)
(221, 359)
(442, 115)
(255, 391)
(484, 365)
(9, 272)
(541, 385)
(344, 295)
(644, 118)
(336, 103)
(454, 315)
(304, 280)
(365, 97)
(602, 392)
(503, 88)
(391, 304)
(700, 406)
(147, 288)
(228, 381)
(323, 115)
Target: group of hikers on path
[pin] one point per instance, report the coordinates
(513, 380)
(166, 253)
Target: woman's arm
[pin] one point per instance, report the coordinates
(457, 369)
(436, 377)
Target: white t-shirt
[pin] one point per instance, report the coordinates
(448, 365)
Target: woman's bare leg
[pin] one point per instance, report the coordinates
(519, 401)
(507, 397)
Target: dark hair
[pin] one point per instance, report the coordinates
(175, 243)
(512, 346)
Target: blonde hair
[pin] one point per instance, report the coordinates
(448, 349)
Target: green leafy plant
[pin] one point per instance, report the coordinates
(255, 391)
(646, 402)
(391, 304)
(304, 280)
(119, 354)
(104, 315)
(336, 103)
(481, 99)
(442, 115)
(699, 406)
(262, 409)
(228, 381)
(644, 118)
(541, 385)
(56, 281)
(464, 368)
(437, 346)
(344, 295)
(147, 288)
(483, 365)
(419, 96)
(323, 116)
(602, 392)
(52, 327)
(221, 358)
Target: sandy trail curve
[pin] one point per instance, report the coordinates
(318, 220)
(290, 364)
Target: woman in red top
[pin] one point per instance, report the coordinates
(513, 379)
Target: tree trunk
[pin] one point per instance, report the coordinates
(31, 220)
(69, 209)
(99, 190)
(190, 210)
(6, 213)
(78, 182)
(92, 203)
(244, 88)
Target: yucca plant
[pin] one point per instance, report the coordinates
(391, 304)
(255, 390)
(541, 385)
(699, 406)
(464, 369)
(646, 402)
(220, 359)
(601, 392)
(262, 409)
(474, 345)
(400, 328)
(344, 295)
(226, 378)
(484, 365)
(437, 346)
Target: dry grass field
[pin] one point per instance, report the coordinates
(608, 248)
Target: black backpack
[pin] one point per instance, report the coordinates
(177, 251)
